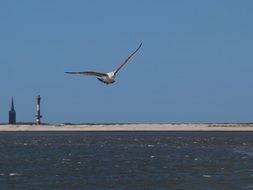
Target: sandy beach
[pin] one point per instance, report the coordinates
(130, 127)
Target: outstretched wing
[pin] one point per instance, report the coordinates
(89, 73)
(127, 59)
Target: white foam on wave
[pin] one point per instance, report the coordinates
(206, 176)
(245, 151)
(14, 174)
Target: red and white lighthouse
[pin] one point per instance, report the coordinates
(38, 115)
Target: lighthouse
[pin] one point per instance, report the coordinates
(12, 113)
(38, 115)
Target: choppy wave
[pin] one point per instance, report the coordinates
(128, 160)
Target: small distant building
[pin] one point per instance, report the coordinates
(12, 113)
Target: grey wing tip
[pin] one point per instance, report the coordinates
(138, 47)
(71, 72)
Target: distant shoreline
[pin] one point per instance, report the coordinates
(128, 127)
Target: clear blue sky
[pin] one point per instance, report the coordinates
(195, 64)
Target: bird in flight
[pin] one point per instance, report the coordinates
(107, 78)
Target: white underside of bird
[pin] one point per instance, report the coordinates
(107, 78)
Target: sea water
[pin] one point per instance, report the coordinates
(126, 160)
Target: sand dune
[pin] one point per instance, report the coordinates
(130, 127)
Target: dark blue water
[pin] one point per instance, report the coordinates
(129, 160)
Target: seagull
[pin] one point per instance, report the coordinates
(107, 78)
